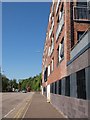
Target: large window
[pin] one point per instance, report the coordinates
(55, 87)
(67, 86)
(45, 74)
(44, 89)
(51, 88)
(60, 51)
(52, 45)
(82, 3)
(81, 84)
(79, 34)
(81, 11)
(48, 70)
(60, 87)
(63, 87)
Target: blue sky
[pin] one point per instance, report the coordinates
(23, 36)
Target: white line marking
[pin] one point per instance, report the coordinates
(9, 112)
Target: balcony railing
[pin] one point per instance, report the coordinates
(52, 46)
(57, 5)
(50, 32)
(84, 41)
(81, 13)
(50, 16)
(60, 25)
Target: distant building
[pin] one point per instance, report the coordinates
(66, 58)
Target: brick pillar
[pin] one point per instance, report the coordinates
(67, 40)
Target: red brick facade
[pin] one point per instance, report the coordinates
(69, 32)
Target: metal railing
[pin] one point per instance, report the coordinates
(60, 25)
(50, 32)
(81, 13)
(57, 5)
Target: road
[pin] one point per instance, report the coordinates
(15, 105)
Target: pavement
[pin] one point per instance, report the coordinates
(40, 108)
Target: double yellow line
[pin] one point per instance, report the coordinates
(21, 110)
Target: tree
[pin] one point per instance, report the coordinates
(5, 81)
(14, 83)
(19, 86)
(32, 83)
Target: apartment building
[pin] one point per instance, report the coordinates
(66, 58)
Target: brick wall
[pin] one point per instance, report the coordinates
(69, 32)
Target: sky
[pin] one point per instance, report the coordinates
(24, 27)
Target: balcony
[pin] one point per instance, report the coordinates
(52, 46)
(81, 13)
(57, 6)
(50, 16)
(50, 32)
(81, 45)
(60, 25)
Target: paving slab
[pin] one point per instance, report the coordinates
(40, 108)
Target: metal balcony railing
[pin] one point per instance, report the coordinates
(81, 13)
(50, 32)
(83, 42)
(50, 16)
(52, 46)
(60, 25)
(57, 5)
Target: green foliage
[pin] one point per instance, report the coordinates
(7, 84)
(32, 82)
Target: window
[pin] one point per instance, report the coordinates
(60, 87)
(51, 87)
(52, 45)
(67, 86)
(45, 75)
(55, 87)
(82, 3)
(60, 51)
(59, 57)
(81, 11)
(81, 84)
(48, 70)
(44, 89)
(79, 34)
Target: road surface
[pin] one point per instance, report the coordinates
(15, 105)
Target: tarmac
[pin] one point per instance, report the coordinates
(40, 108)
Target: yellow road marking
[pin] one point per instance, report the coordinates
(27, 109)
(20, 110)
(18, 114)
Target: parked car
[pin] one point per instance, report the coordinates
(24, 91)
